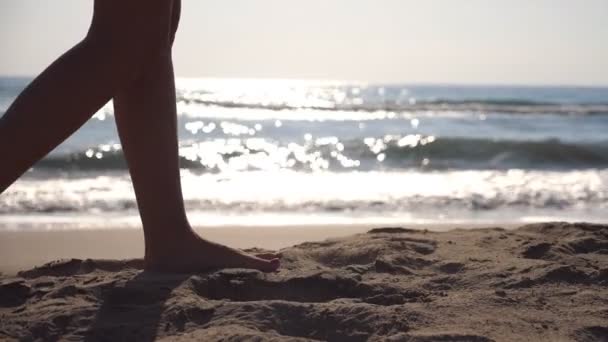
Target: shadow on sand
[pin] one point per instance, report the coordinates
(132, 312)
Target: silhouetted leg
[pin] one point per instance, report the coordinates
(80, 82)
(145, 113)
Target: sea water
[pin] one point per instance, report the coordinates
(275, 152)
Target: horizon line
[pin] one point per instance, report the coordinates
(354, 81)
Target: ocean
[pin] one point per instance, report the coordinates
(276, 152)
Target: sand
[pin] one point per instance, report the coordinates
(542, 282)
(24, 249)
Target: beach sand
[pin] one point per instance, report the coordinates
(540, 282)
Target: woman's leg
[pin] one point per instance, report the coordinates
(126, 42)
(145, 113)
(80, 82)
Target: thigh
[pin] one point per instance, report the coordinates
(133, 23)
(175, 15)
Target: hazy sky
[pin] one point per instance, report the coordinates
(461, 41)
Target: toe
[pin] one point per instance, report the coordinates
(266, 265)
(274, 265)
(269, 256)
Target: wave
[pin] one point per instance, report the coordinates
(514, 106)
(95, 159)
(329, 192)
(531, 200)
(502, 154)
(369, 154)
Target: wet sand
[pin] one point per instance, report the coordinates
(546, 282)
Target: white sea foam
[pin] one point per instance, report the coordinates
(389, 193)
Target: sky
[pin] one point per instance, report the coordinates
(540, 42)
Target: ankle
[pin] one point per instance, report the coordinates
(166, 237)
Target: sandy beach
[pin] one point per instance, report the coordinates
(541, 282)
(20, 250)
(25, 249)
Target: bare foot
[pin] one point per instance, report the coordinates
(188, 252)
